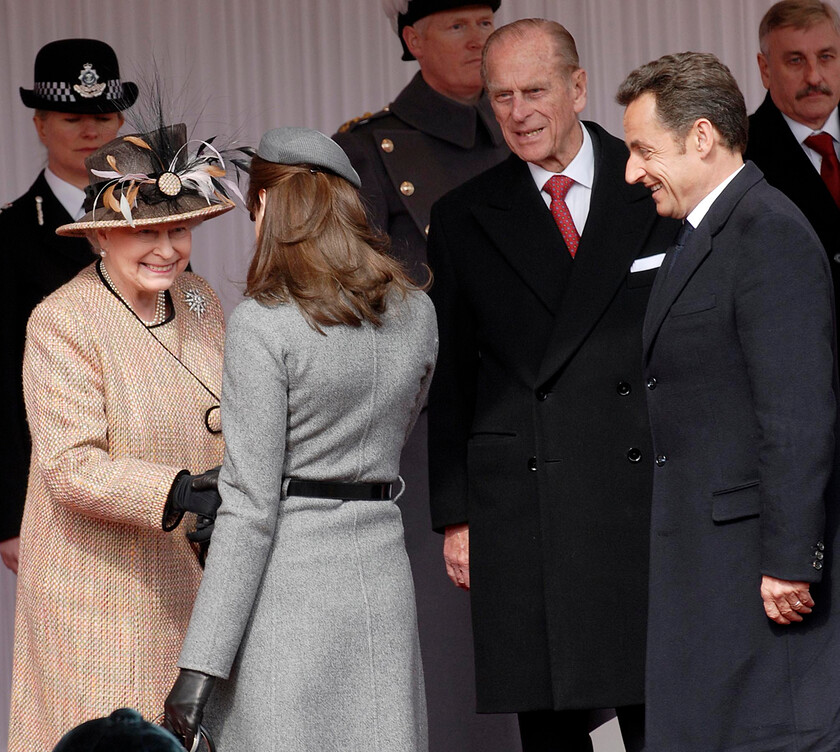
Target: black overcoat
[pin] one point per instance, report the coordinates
(538, 431)
(36, 262)
(739, 348)
(774, 149)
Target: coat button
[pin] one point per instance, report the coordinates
(837, 258)
(661, 459)
(623, 388)
(651, 383)
(541, 395)
(532, 464)
(820, 546)
(819, 555)
(818, 565)
(387, 145)
(407, 188)
(426, 231)
(634, 455)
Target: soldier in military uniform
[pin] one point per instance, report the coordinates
(78, 98)
(437, 133)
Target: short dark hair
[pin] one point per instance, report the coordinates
(798, 14)
(565, 49)
(688, 86)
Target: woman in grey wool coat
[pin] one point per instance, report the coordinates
(304, 633)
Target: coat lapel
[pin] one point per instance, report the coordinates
(670, 284)
(518, 223)
(604, 255)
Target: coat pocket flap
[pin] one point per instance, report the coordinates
(684, 307)
(736, 503)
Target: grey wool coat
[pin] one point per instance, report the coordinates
(306, 610)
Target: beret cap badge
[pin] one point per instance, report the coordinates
(89, 87)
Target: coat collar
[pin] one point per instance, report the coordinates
(421, 107)
(667, 287)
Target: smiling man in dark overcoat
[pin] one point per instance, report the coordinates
(540, 458)
(739, 354)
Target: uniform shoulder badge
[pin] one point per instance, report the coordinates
(362, 119)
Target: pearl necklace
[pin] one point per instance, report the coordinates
(160, 305)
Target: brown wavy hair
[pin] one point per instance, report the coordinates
(315, 248)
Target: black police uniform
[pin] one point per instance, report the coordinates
(36, 262)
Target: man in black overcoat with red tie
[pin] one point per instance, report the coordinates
(540, 457)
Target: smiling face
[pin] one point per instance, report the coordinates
(145, 260)
(671, 170)
(536, 99)
(70, 138)
(448, 47)
(801, 70)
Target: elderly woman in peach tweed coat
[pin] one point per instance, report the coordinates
(122, 373)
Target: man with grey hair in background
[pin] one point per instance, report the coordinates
(739, 352)
(539, 451)
(437, 133)
(795, 134)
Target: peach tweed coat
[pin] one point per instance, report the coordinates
(104, 595)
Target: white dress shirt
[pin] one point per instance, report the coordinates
(696, 215)
(582, 170)
(801, 132)
(69, 196)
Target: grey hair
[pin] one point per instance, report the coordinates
(798, 14)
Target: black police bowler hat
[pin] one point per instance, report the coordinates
(418, 9)
(80, 76)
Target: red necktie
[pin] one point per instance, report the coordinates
(557, 187)
(823, 144)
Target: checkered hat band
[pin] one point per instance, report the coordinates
(60, 91)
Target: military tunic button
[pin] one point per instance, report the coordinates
(623, 388)
(406, 188)
(651, 383)
(634, 455)
(532, 464)
(387, 145)
(818, 565)
(661, 459)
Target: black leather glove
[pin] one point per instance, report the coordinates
(184, 706)
(192, 493)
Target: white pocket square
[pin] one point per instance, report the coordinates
(648, 262)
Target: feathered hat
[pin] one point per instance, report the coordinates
(404, 13)
(155, 178)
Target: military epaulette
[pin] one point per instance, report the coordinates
(351, 124)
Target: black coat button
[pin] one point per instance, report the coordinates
(541, 395)
(532, 464)
(623, 388)
(661, 459)
(634, 455)
(818, 565)
(651, 383)
(837, 258)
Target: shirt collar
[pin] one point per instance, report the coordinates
(69, 196)
(801, 131)
(696, 215)
(581, 169)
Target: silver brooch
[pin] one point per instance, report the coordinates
(195, 302)
(88, 88)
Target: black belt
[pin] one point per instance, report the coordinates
(325, 489)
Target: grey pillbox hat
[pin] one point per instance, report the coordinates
(294, 146)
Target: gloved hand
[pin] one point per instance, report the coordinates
(184, 706)
(192, 493)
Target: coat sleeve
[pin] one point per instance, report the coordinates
(452, 394)
(67, 411)
(254, 407)
(785, 325)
